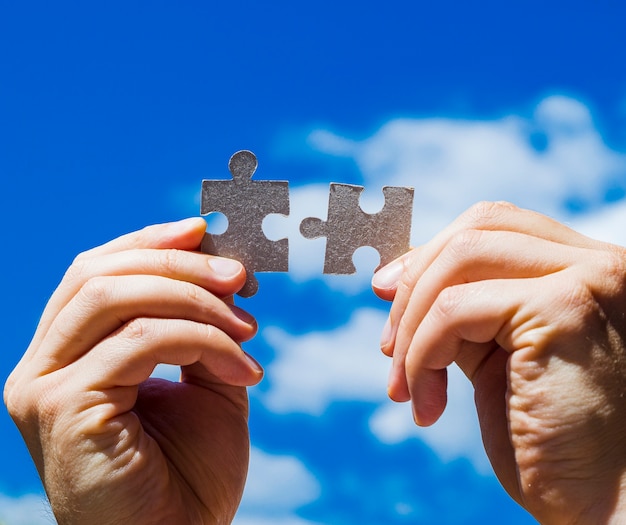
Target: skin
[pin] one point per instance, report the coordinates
(112, 445)
(534, 314)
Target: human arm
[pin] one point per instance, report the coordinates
(111, 444)
(534, 314)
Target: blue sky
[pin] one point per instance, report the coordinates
(112, 113)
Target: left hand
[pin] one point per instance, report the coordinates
(113, 445)
(535, 315)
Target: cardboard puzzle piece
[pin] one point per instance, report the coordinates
(245, 203)
(348, 227)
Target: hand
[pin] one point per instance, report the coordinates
(111, 444)
(535, 315)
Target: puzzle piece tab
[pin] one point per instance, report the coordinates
(348, 227)
(246, 203)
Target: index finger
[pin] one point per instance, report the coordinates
(397, 280)
(185, 234)
(182, 235)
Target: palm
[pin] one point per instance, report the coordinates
(112, 444)
(200, 436)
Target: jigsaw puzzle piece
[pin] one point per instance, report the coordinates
(245, 203)
(348, 227)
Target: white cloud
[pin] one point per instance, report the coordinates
(455, 163)
(276, 487)
(312, 370)
(606, 224)
(456, 434)
(29, 509)
(307, 201)
(452, 164)
(306, 256)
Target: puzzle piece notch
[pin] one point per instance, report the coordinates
(246, 203)
(348, 227)
(242, 166)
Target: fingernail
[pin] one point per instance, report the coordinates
(186, 224)
(242, 315)
(253, 362)
(226, 268)
(388, 276)
(416, 417)
(385, 337)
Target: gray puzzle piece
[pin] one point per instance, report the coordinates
(246, 203)
(348, 227)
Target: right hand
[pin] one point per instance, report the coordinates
(111, 444)
(535, 315)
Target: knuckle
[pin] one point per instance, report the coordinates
(23, 402)
(169, 261)
(574, 303)
(406, 283)
(613, 268)
(484, 212)
(136, 330)
(143, 237)
(11, 395)
(193, 295)
(447, 303)
(464, 243)
(77, 271)
(96, 290)
(409, 276)
(406, 325)
(207, 331)
(17, 406)
(146, 235)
